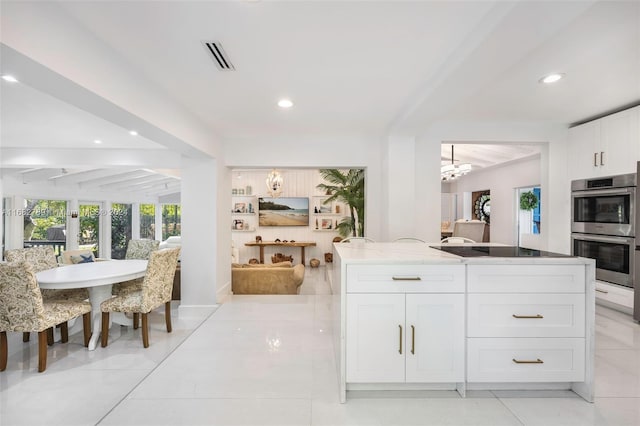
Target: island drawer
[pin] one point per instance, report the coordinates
(536, 278)
(405, 279)
(526, 360)
(526, 315)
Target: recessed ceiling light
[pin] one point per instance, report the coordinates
(551, 78)
(9, 78)
(133, 133)
(97, 141)
(285, 103)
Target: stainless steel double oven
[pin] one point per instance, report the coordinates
(605, 220)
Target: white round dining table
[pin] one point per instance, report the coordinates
(98, 278)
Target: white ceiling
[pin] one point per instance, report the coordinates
(350, 67)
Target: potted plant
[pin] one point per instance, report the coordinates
(346, 187)
(528, 201)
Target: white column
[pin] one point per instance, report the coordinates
(202, 258)
(73, 224)
(428, 188)
(105, 229)
(401, 181)
(135, 221)
(158, 222)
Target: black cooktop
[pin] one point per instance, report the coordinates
(496, 251)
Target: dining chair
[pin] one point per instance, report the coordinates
(42, 258)
(408, 240)
(472, 229)
(24, 310)
(358, 239)
(457, 240)
(156, 290)
(136, 249)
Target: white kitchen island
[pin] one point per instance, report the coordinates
(411, 317)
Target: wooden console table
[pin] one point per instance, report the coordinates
(263, 244)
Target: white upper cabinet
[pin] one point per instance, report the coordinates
(604, 147)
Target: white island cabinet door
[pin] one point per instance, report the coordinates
(375, 338)
(435, 338)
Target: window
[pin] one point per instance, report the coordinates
(89, 233)
(120, 229)
(45, 223)
(170, 220)
(148, 221)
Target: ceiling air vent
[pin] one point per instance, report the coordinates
(218, 55)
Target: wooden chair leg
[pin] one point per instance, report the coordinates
(136, 320)
(43, 337)
(50, 336)
(105, 329)
(167, 316)
(26, 336)
(145, 331)
(86, 328)
(4, 350)
(64, 332)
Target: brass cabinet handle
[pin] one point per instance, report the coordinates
(406, 278)
(538, 316)
(537, 361)
(602, 158)
(602, 291)
(400, 334)
(413, 340)
(595, 159)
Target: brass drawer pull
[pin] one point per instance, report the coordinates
(537, 361)
(406, 278)
(538, 316)
(413, 340)
(400, 348)
(602, 291)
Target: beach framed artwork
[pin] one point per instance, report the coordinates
(283, 211)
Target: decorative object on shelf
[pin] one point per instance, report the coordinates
(327, 224)
(258, 239)
(253, 261)
(328, 257)
(453, 171)
(274, 183)
(238, 224)
(279, 257)
(314, 263)
(241, 191)
(234, 191)
(277, 240)
(240, 208)
(316, 223)
(348, 188)
(337, 209)
(528, 201)
(248, 190)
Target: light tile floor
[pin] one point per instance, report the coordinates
(268, 360)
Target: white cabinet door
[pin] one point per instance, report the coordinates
(375, 345)
(435, 338)
(583, 154)
(620, 143)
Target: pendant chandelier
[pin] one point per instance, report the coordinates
(453, 171)
(274, 183)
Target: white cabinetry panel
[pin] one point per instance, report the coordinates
(526, 315)
(375, 338)
(405, 278)
(526, 279)
(435, 338)
(526, 360)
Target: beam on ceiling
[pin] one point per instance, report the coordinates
(83, 158)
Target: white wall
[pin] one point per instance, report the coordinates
(296, 183)
(502, 182)
(339, 151)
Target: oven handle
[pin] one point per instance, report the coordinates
(615, 191)
(599, 238)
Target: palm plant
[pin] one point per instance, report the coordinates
(346, 187)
